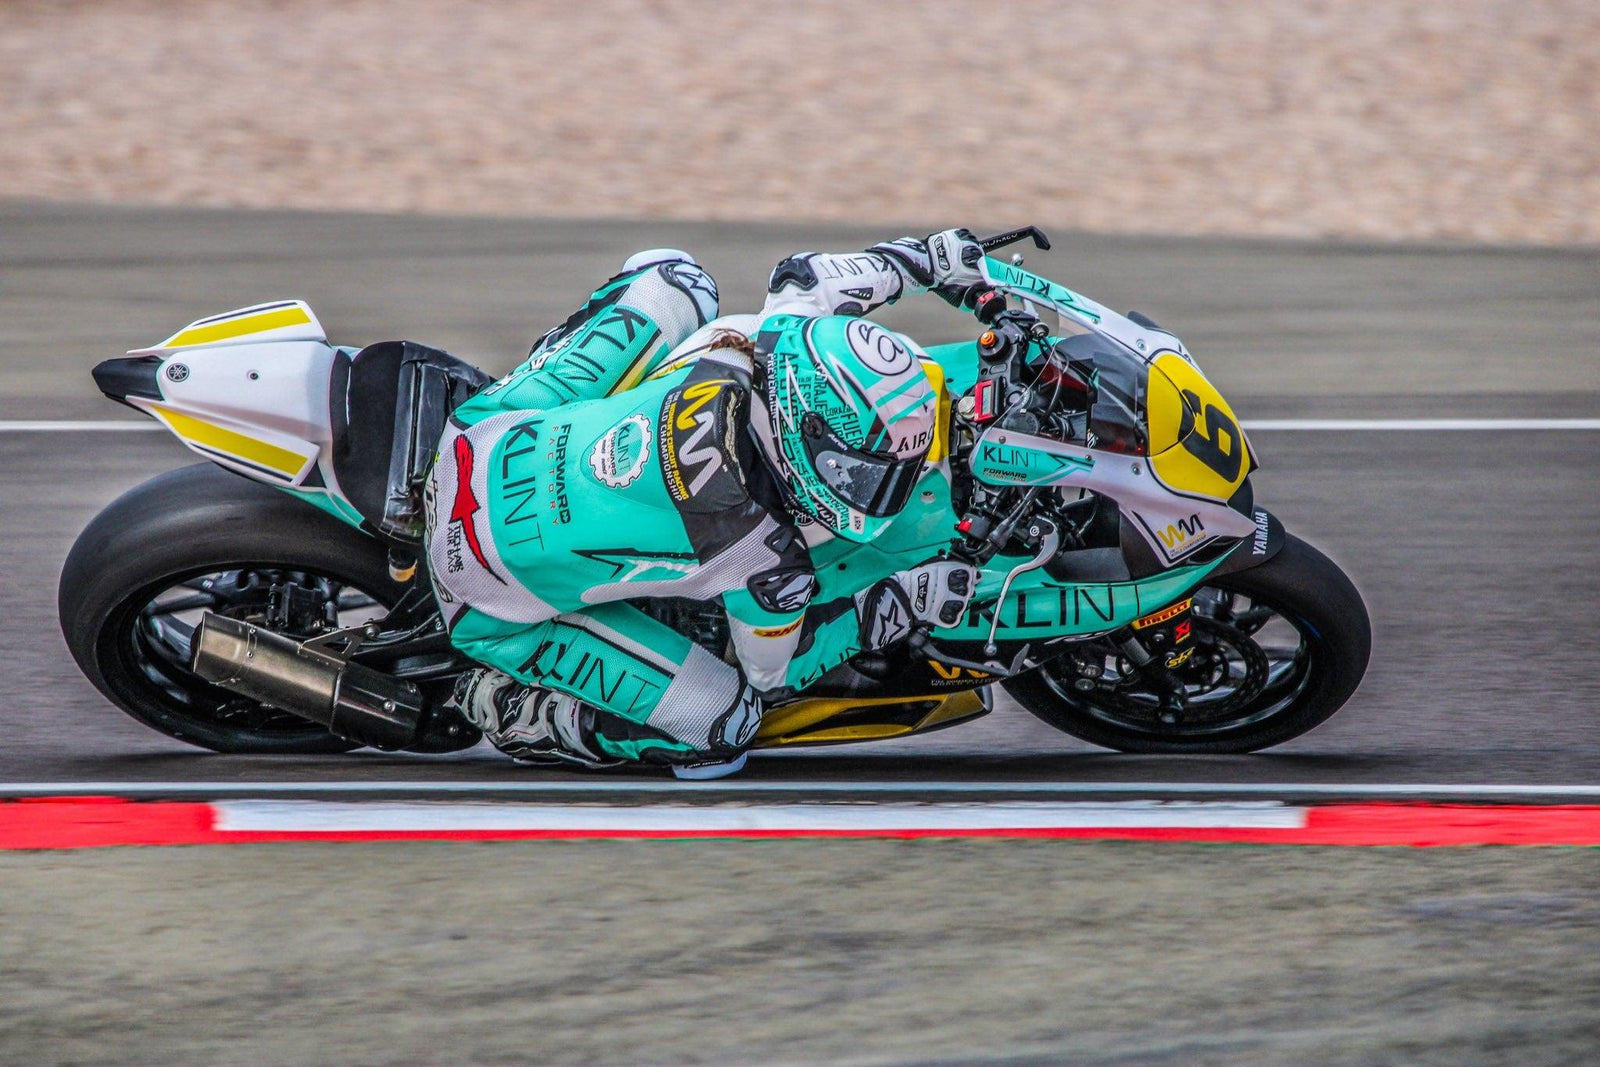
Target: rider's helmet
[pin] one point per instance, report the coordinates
(850, 414)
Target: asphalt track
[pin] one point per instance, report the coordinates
(1475, 551)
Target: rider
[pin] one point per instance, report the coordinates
(648, 448)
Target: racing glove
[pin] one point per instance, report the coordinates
(949, 263)
(936, 592)
(956, 261)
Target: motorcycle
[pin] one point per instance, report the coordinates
(1131, 592)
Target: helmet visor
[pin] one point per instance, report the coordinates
(872, 483)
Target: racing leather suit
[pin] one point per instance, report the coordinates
(618, 462)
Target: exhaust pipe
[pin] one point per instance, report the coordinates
(354, 701)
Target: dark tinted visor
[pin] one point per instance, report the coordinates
(872, 483)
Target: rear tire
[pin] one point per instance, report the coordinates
(196, 521)
(1306, 590)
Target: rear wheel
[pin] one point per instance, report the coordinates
(201, 539)
(1278, 649)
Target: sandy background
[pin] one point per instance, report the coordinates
(1465, 119)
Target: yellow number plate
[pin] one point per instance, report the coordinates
(1196, 447)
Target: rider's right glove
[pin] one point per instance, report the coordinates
(936, 592)
(956, 259)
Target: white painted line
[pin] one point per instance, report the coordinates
(1353, 425)
(72, 426)
(735, 787)
(310, 816)
(1297, 425)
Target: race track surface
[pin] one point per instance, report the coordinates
(1476, 551)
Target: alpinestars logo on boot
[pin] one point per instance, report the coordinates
(465, 509)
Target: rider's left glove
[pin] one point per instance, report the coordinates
(956, 260)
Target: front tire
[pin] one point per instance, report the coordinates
(156, 548)
(1282, 693)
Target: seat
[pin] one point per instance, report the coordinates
(387, 405)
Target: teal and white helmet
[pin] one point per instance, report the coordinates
(850, 414)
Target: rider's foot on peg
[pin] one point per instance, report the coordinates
(700, 772)
(530, 724)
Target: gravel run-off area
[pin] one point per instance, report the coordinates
(1459, 119)
(800, 952)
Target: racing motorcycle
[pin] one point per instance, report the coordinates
(1131, 591)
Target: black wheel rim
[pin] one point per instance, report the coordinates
(1253, 660)
(152, 632)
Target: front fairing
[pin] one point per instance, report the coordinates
(1072, 311)
(1149, 432)
(1156, 437)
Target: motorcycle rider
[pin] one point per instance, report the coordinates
(648, 448)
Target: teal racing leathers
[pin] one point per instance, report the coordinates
(618, 463)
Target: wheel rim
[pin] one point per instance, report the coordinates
(153, 632)
(1252, 661)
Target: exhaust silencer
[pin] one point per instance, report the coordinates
(353, 701)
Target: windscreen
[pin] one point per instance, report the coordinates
(1116, 380)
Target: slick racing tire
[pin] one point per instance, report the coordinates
(1280, 648)
(202, 539)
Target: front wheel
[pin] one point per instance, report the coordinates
(1279, 648)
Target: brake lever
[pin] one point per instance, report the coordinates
(1049, 535)
(1000, 240)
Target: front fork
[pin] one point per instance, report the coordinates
(1157, 646)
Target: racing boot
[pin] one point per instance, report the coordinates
(531, 724)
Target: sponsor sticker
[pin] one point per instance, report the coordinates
(1166, 615)
(689, 452)
(618, 458)
(777, 631)
(557, 492)
(949, 674)
(463, 530)
(1263, 529)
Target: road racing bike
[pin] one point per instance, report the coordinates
(1132, 593)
